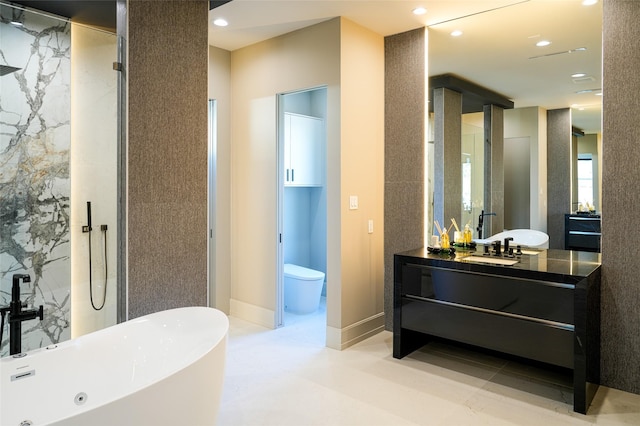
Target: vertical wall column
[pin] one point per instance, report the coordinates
(558, 174)
(405, 144)
(167, 155)
(574, 172)
(620, 196)
(447, 185)
(493, 169)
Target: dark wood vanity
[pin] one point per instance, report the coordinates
(546, 308)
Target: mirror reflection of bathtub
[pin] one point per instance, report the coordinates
(165, 368)
(523, 237)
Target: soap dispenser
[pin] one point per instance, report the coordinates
(444, 241)
(467, 235)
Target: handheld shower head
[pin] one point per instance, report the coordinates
(6, 69)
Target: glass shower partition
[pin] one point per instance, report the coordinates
(58, 152)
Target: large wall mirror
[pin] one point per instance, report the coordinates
(542, 55)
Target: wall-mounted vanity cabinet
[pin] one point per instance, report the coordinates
(302, 150)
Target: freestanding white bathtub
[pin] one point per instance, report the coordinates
(165, 368)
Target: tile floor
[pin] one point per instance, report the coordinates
(288, 377)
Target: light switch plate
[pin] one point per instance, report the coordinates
(353, 202)
(370, 226)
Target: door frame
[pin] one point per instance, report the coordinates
(279, 311)
(211, 202)
(280, 110)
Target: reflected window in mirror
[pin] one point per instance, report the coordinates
(585, 179)
(466, 184)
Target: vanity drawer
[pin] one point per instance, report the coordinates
(582, 233)
(583, 224)
(529, 298)
(585, 241)
(516, 336)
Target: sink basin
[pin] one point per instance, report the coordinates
(491, 259)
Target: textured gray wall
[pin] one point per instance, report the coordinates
(558, 174)
(494, 168)
(404, 151)
(447, 158)
(167, 155)
(620, 366)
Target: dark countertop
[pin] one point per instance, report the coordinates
(566, 266)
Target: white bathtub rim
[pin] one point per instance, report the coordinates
(134, 389)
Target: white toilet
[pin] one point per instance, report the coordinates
(302, 289)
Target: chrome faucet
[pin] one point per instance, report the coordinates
(17, 314)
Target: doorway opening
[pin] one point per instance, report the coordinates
(302, 212)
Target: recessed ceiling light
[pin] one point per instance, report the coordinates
(578, 75)
(419, 11)
(543, 43)
(589, 2)
(456, 33)
(220, 22)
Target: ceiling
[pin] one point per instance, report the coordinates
(496, 50)
(96, 13)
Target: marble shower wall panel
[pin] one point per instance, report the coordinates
(34, 170)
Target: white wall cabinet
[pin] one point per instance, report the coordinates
(302, 150)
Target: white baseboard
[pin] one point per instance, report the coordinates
(343, 338)
(252, 313)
